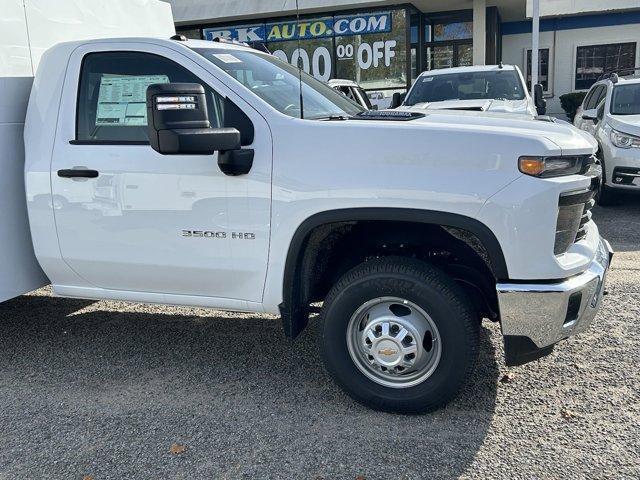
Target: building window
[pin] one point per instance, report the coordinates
(448, 40)
(543, 69)
(594, 60)
(452, 31)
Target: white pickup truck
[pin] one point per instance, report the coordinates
(204, 173)
(485, 88)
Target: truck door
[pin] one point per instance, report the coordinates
(133, 220)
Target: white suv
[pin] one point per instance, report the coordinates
(611, 113)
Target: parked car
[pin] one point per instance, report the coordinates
(352, 91)
(192, 174)
(379, 100)
(486, 88)
(611, 112)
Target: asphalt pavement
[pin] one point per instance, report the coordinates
(110, 390)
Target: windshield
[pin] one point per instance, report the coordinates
(626, 100)
(278, 84)
(495, 84)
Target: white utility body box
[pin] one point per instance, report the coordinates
(29, 27)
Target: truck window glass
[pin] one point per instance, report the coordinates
(278, 83)
(112, 94)
(500, 84)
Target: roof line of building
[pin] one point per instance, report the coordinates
(571, 23)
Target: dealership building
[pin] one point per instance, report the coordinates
(384, 45)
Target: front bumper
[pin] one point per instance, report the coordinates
(535, 316)
(622, 167)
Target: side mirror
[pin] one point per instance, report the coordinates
(374, 107)
(538, 99)
(590, 115)
(397, 99)
(178, 122)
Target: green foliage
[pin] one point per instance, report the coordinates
(570, 103)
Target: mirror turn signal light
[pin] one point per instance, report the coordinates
(181, 102)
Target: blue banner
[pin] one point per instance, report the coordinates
(303, 30)
(362, 24)
(242, 33)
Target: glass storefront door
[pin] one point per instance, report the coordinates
(449, 55)
(442, 57)
(465, 55)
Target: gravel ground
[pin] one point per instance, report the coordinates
(101, 390)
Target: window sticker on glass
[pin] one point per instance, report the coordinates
(227, 58)
(122, 99)
(427, 79)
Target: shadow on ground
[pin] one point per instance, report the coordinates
(85, 391)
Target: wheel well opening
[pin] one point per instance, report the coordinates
(330, 250)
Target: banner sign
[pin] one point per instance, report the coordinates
(362, 24)
(340, 25)
(244, 33)
(304, 30)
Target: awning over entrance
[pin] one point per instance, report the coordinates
(187, 12)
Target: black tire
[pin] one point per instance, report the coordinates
(434, 292)
(605, 196)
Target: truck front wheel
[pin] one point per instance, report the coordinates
(399, 335)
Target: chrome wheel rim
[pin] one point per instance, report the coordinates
(394, 342)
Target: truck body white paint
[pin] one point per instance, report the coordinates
(391, 164)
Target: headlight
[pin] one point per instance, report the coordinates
(624, 140)
(546, 167)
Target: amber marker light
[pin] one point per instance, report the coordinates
(531, 165)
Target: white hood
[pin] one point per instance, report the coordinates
(482, 105)
(569, 139)
(626, 123)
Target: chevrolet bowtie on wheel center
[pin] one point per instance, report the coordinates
(171, 171)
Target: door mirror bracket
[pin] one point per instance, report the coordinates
(235, 162)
